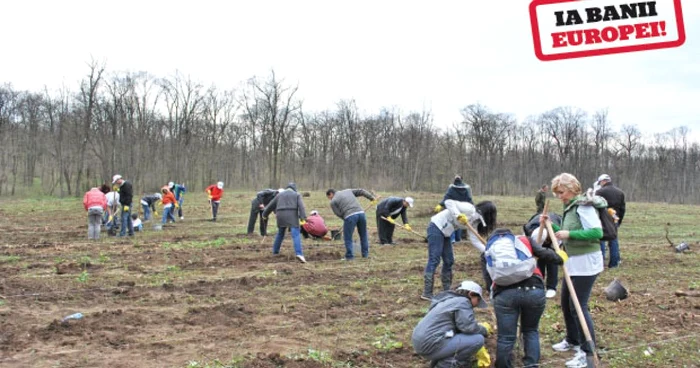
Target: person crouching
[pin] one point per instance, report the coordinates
(449, 335)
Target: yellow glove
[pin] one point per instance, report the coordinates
(438, 208)
(483, 359)
(462, 218)
(563, 255)
(407, 227)
(373, 202)
(126, 208)
(155, 213)
(210, 197)
(302, 222)
(487, 326)
(391, 220)
(111, 218)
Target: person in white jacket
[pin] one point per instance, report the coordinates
(455, 216)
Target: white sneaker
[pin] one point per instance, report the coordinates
(578, 361)
(565, 346)
(550, 293)
(301, 259)
(182, 217)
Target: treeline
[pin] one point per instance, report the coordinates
(156, 129)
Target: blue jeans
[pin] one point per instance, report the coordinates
(358, 220)
(460, 347)
(126, 223)
(296, 239)
(168, 213)
(574, 333)
(180, 202)
(439, 247)
(614, 251)
(146, 212)
(528, 306)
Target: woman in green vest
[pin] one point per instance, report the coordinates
(580, 235)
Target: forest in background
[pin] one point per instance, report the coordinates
(153, 129)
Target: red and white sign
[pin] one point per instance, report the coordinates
(566, 29)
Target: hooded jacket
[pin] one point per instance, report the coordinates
(458, 192)
(449, 311)
(392, 207)
(288, 207)
(345, 204)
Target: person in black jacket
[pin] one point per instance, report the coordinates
(549, 270)
(390, 208)
(257, 205)
(457, 191)
(126, 194)
(616, 201)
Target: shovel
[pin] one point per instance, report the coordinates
(403, 227)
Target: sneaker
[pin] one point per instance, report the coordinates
(182, 217)
(565, 346)
(424, 297)
(550, 294)
(301, 259)
(578, 361)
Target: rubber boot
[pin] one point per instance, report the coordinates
(446, 281)
(428, 280)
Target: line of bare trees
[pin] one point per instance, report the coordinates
(153, 130)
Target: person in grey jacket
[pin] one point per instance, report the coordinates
(449, 335)
(345, 205)
(290, 213)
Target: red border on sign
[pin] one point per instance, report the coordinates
(613, 50)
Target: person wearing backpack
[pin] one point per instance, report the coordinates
(616, 202)
(580, 233)
(518, 292)
(549, 270)
(449, 335)
(483, 225)
(455, 216)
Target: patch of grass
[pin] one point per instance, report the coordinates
(9, 259)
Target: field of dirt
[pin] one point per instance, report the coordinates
(201, 293)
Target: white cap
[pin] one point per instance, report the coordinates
(410, 201)
(220, 185)
(171, 184)
(314, 212)
(474, 288)
(115, 178)
(159, 196)
(604, 177)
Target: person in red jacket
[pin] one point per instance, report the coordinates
(95, 203)
(314, 226)
(215, 192)
(169, 205)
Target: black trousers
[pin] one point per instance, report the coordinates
(256, 212)
(385, 230)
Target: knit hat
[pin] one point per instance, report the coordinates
(458, 182)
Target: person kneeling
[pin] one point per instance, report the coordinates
(449, 335)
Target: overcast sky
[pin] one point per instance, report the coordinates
(442, 55)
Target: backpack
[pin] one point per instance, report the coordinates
(608, 224)
(509, 259)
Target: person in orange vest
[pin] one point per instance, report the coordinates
(169, 205)
(215, 192)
